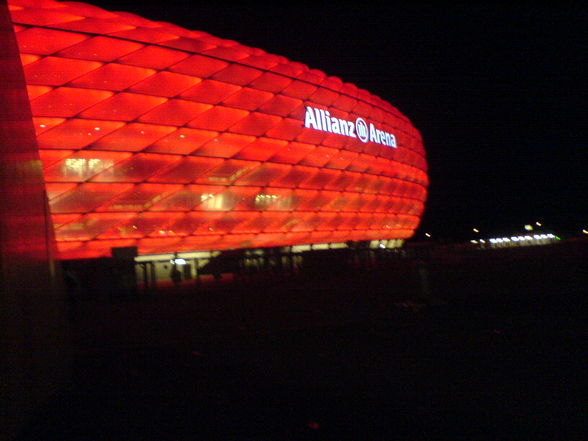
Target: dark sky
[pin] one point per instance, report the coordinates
(498, 92)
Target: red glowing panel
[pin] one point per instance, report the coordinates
(44, 41)
(140, 198)
(237, 74)
(28, 59)
(175, 140)
(255, 124)
(189, 198)
(136, 169)
(271, 82)
(248, 99)
(226, 172)
(210, 91)
(56, 71)
(225, 145)
(85, 198)
(67, 101)
(281, 105)
(124, 107)
(218, 118)
(182, 141)
(165, 84)
(100, 49)
(199, 66)
(264, 175)
(154, 57)
(261, 149)
(175, 112)
(43, 124)
(83, 165)
(113, 76)
(76, 133)
(132, 137)
(187, 170)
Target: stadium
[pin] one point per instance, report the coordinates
(162, 140)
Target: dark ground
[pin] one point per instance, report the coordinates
(355, 356)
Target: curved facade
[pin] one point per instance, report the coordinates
(168, 139)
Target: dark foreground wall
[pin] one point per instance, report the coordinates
(33, 355)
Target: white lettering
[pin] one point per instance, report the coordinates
(328, 121)
(351, 129)
(318, 119)
(335, 126)
(373, 133)
(344, 128)
(322, 120)
(309, 120)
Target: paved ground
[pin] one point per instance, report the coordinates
(343, 358)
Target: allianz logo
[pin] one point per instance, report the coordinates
(322, 120)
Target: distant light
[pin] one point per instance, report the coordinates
(473, 241)
(538, 224)
(514, 239)
(529, 227)
(97, 129)
(178, 261)
(427, 234)
(585, 231)
(482, 241)
(475, 230)
(382, 245)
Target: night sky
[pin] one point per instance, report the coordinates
(498, 93)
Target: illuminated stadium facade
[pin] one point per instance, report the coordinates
(172, 140)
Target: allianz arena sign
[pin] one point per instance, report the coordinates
(320, 119)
